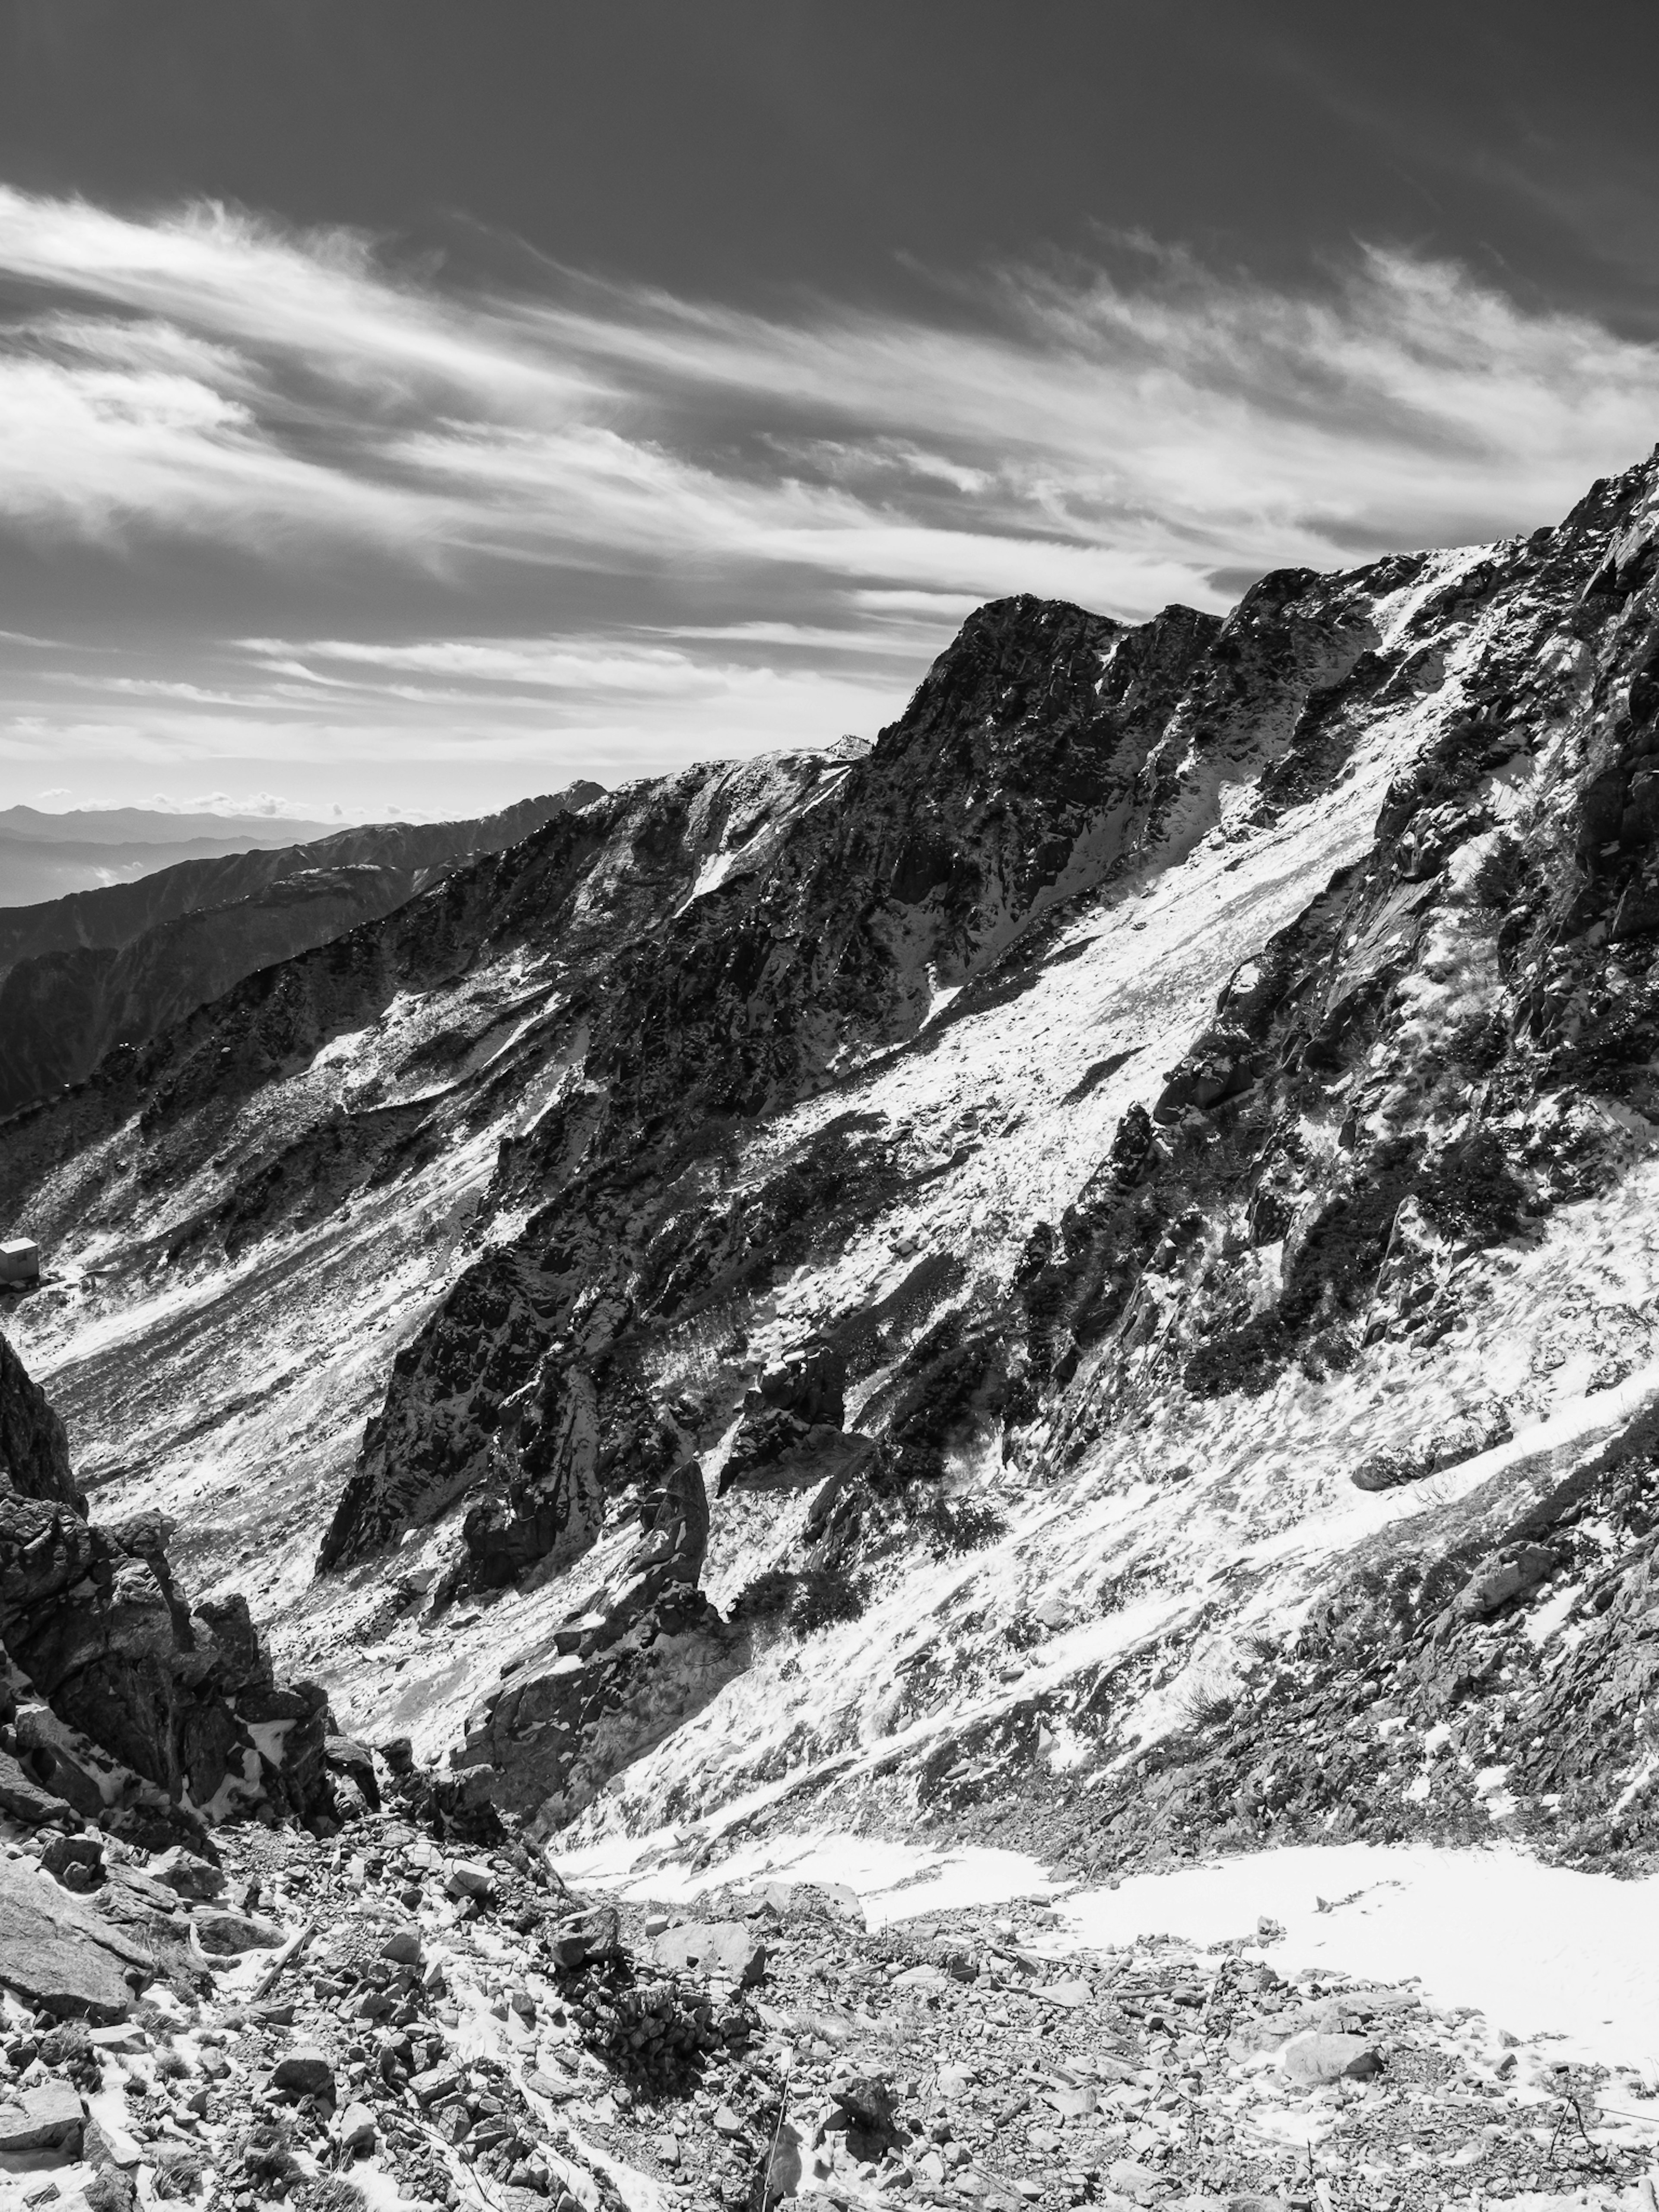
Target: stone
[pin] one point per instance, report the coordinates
(666, 2148)
(1494, 1584)
(226, 1934)
(135, 1900)
(47, 2115)
(24, 1798)
(305, 2072)
(431, 2086)
(1073, 2104)
(345, 1756)
(467, 1879)
(709, 1947)
(60, 1953)
(190, 1876)
(726, 2121)
(1315, 2058)
(403, 1947)
(1069, 1994)
(105, 2146)
(77, 1861)
(867, 2100)
(1131, 2179)
(541, 2083)
(586, 1937)
(354, 2129)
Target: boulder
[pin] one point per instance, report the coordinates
(186, 1873)
(355, 2129)
(1521, 1568)
(226, 1934)
(435, 2084)
(867, 2102)
(304, 2072)
(44, 2116)
(27, 1801)
(709, 1947)
(131, 1896)
(586, 1937)
(1314, 2059)
(76, 1861)
(345, 1756)
(61, 1954)
(809, 1381)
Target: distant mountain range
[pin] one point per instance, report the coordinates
(44, 856)
(115, 965)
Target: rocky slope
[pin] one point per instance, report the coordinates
(388, 2020)
(1086, 1272)
(115, 966)
(113, 915)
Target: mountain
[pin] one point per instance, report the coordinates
(81, 975)
(149, 825)
(47, 856)
(1082, 1279)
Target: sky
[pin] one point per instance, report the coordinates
(406, 407)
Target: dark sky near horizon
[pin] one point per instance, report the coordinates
(559, 389)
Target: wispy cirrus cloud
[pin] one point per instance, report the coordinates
(793, 508)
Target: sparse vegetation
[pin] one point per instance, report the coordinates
(963, 1527)
(802, 1602)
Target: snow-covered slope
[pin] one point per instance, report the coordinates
(1087, 1274)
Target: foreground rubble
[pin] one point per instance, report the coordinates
(380, 2018)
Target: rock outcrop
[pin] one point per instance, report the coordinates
(123, 1705)
(639, 1659)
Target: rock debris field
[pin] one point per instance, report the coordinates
(382, 2020)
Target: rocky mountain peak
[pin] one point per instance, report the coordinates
(1078, 1279)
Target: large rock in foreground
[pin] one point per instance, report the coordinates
(59, 1952)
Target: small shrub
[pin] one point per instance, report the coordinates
(823, 1596)
(265, 2156)
(68, 2046)
(802, 1602)
(766, 1598)
(963, 1527)
(180, 2168)
(332, 2193)
(172, 2066)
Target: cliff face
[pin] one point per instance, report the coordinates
(1124, 1207)
(115, 966)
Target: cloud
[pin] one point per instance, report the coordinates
(1113, 434)
(787, 512)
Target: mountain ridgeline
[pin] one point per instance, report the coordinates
(118, 965)
(1122, 1208)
